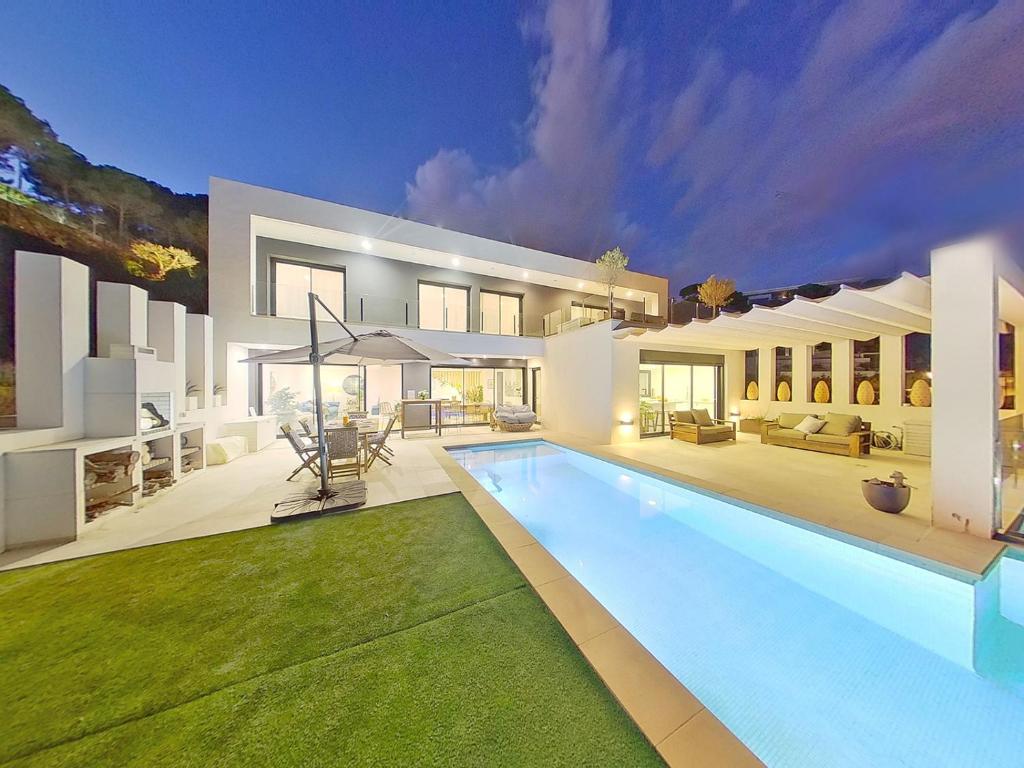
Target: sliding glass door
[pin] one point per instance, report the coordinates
(500, 313)
(443, 307)
(469, 395)
(667, 387)
(287, 390)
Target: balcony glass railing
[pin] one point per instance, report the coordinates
(291, 301)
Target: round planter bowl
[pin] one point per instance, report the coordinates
(885, 497)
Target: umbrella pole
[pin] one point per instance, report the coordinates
(314, 359)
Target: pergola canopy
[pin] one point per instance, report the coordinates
(897, 308)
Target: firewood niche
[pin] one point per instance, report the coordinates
(110, 481)
(157, 465)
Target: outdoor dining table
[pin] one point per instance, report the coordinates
(365, 427)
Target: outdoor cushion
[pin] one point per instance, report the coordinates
(789, 420)
(793, 434)
(225, 449)
(683, 417)
(701, 417)
(522, 418)
(840, 424)
(519, 408)
(718, 429)
(810, 425)
(834, 439)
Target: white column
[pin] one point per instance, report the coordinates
(167, 336)
(801, 354)
(765, 377)
(51, 337)
(199, 356)
(964, 402)
(842, 372)
(891, 379)
(122, 316)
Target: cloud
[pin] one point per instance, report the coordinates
(894, 125)
(561, 196)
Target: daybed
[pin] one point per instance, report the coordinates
(697, 426)
(841, 434)
(513, 418)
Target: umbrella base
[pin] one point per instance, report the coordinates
(314, 503)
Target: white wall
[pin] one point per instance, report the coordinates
(889, 412)
(577, 383)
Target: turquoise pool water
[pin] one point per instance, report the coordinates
(814, 651)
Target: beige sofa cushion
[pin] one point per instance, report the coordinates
(790, 420)
(683, 417)
(840, 424)
(701, 417)
(718, 429)
(792, 434)
(833, 439)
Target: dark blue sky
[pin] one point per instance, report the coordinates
(772, 142)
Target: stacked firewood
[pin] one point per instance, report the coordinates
(108, 481)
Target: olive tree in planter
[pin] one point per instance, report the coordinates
(612, 264)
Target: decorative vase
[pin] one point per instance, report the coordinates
(920, 394)
(865, 393)
(784, 393)
(821, 392)
(218, 401)
(191, 403)
(886, 496)
(752, 391)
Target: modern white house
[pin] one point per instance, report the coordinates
(907, 356)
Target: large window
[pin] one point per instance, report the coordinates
(667, 387)
(821, 373)
(917, 369)
(287, 390)
(443, 307)
(501, 313)
(866, 371)
(469, 395)
(783, 374)
(750, 384)
(293, 281)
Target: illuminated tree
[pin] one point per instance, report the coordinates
(716, 291)
(153, 261)
(612, 264)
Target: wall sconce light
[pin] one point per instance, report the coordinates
(626, 420)
(734, 415)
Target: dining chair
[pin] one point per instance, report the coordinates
(306, 451)
(343, 451)
(377, 444)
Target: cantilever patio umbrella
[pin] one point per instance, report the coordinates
(379, 347)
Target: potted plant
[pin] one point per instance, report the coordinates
(218, 395)
(191, 396)
(422, 394)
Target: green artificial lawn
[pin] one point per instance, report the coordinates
(398, 635)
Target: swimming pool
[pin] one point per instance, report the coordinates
(814, 651)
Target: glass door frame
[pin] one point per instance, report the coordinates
(517, 318)
(444, 287)
(663, 420)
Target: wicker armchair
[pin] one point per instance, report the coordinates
(343, 452)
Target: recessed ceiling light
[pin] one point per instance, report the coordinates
(580, 286)
(525, 275)
(629, 293)
(367, 245)
(455, 261)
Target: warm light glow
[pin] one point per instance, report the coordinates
(629, 293)
(455, 261)
(526, 275)
(626, 419)
(367, 245)
(734, 411)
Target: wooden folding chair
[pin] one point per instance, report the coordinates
(377, 446)
(308, 454)
(343, 451)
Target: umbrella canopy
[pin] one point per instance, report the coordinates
(376, 348)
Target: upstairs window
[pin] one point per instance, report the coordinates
(293, 281)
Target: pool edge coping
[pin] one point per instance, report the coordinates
(694, 732)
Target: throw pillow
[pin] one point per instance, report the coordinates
(702, 418)
(810, 425)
